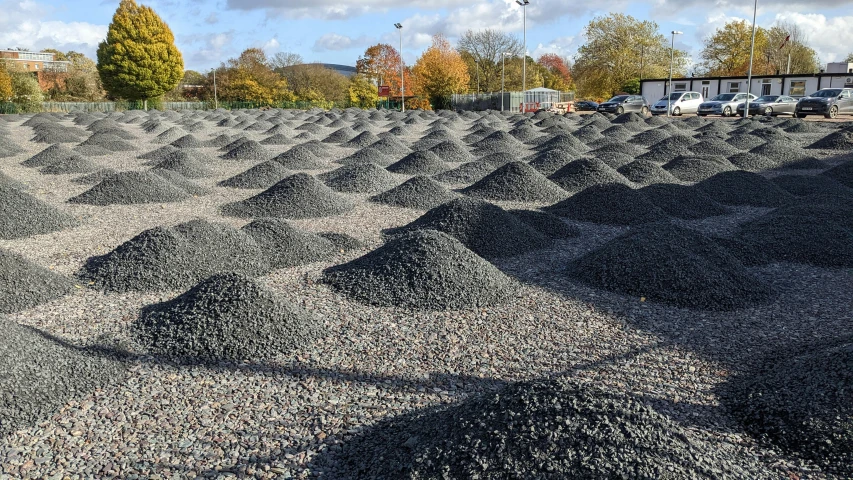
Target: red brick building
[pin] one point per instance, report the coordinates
(34, 62)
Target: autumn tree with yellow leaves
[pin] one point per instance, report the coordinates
(249, 78)
(439, 73)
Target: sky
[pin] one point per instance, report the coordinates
(209, 32)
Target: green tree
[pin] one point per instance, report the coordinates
(482, 50)
(249, 78)
(849, 58)
(57, 55)
(727, 51)
(314, 82)
(139, 60)
(83, 81)
(26, 93)
(618, 48)
(6, 92)
(362, 92)
(632, 86)
(776, 54)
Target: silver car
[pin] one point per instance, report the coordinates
(723, 104)
(677, 103)
(770, 105)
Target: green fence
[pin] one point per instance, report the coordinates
(152, 105)
(8, 108)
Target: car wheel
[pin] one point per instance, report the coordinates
(727, 112)
(800, 115)
(620, 110)
(833, 112)
(676, 111)
(644, 111)
(701, 115)
(768, 111)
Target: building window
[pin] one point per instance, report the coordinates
(797, 89)
(734, 87)
(36, 66)
(679, 87)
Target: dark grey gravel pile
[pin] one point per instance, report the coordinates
(49, 156)
(94, 177)
(669, 148)
(262, 175)
(130, 188)
(485, 228)
(419, 192)
(421, 270)
(801, 403)
(744, 188)
(227, 316)
(23, 215)
(362, 140)
(649, 137)
(682, 201)
(584, 173)
(109, 141)
(389, 145)
(496, 142)
(236, 142)
(160, 154)
(369, 155)
(186, 164)
(840, 140)
(550, 225)
(542, 429)
(419, 163)
(781, 153)
(297, 196)
(359, 178)
(39, 374)
(714, 146)
(588, 134)
(284, 246)
(342, 135)
(744, 142)
(7, 181)
(188, 141)
(674, 265)
(802, 185)
(609, 204)
(452, 151)
(549, 161)
(466, 173)
(248, 150)
(752, 162)
(8, 148)
(842, 173)
(645, 172)
(617, 147)
(49, 133)
(516, 181)
(70, 165)
(181, 182)
(170, 258)
(562, 141)
(695, 168)
(24, 285)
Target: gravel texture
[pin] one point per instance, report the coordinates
(24, 215)
(419, 163)
(681, 201)
(297, 196)
(586, 172)
(131, 188)
(284, 245)
(516, 181)
(646, 172)
(262, 175)
(24, 285)
(842, 173)
(697, 168)
(419, 192)
(359, 178)
(609, 204)
(744, 188)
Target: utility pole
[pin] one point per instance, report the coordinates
(751, 56)
(215, 98)
(671, 61)
(524, 4)
(402, 76)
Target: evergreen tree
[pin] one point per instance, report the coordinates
(139, 60)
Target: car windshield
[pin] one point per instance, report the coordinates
(724, 97)
(766, 98)
(829, 93)
(618, 99)
(673, 96)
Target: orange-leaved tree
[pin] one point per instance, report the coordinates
(558, 76)
(381, 65)
(440, 72)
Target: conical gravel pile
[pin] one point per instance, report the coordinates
(842, 173)
(516, 181)
(584, 173)
(674, 265)
(57, 134)
(368, 155)
(562, 141)
(185, 164)
(94, 177)
(623, 148)
(419, 192)
(169, 135)
(40, 374)
(128, 188)
(181, 182)
(359, 178)
(391, 146)
(452, 151)
(802, 185)
(668, 149)
(421, 270)
(295, 197)
(543, 429)
(301, 158)
(752, 162)
(286, 246)
(248, 150)
(487, 229)
(48, 156)
(70, 165)
(744, 142)
(234, 143)
(466, 174)
(550, 225)
(170, 258)
(800, 403)
(645, 172)
(23, 215)
(110, 142)
(609, 204)
(227, 317)
(682, 201)
(362, 140)
(695, 168)
(342, 135)
(499, 141)
(781, 153)
(744, 188)
(160, 154)
(187, 141)
(418, 163)
(262, 175)
(548, 162)
(9, 182)
(24, 285)
(588, 134)
(714, 146)
(840, 140)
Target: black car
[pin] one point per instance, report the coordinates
(829, 102)
(625, 103)
(586, 106)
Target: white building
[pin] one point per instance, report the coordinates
(837, 75)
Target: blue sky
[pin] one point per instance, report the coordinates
(332, 31)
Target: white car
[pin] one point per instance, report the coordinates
(679, 103)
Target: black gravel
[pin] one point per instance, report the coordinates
(359, 178)
(584, 173)
(248, 150)
(23, 215)
(130, 188)
(609, 204)
(301, 157)
(419, 163)
(40, 374)
(297, 196)
(283, 245)
(695, 168)
(73, 164)
(840, 140)
(684, 202)
(227, 317)
(550, 225)
(262, 175)
(485, 228)
(665, 263)
(752, 162)
(549, 161)
(543, 429)
(170, 258)
(649, 137)
(186, 164)
(419, 192)
(802, 185)
(421, 270)
(496, 142)
(24, 285)
(842, 173)
(516, 181)
(645, 172)
(744, 188)
(49, 156)
(466, 173)
(452, 151)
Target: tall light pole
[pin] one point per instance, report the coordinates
(477, 63)
(503, 77)
(751, 55)
(402, 84)
(215, 98)
(524, 3)
(671, 61)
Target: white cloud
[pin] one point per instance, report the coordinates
(211, 19)
(26, 25)
(563, 46)
(832, 38)
(271, 46)
(334, 42)
(333, 9)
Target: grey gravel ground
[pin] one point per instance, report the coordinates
(275, 418)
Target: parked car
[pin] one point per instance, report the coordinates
(586, 106)
(680, 103)
(829, 102)
(724, 104)
(625, 103)
(770, 105)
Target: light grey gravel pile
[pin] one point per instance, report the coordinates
(584, 173)
(609, 204)
(23, 215)
(359, 178)
(695, 168)
(181, 182)
(419, 192)
(284, 245)
(800, 402)
(9, 182)
(744, 188)
(419, 163)
(130, 188)
(24, 284)
(169, 258)
(670, 264)
(485, 228)
(248, 150)
(341, 135)
(39, 374)
(297, 196)
(516, 181)
(227, 317)
(262, 175)
(537, 429)
(421, 270)
(681, 201)
(645, 172)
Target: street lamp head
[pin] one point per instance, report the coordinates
(398, 25)
(676, 32)
(522, 2)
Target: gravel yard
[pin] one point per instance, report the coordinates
(391, 274)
